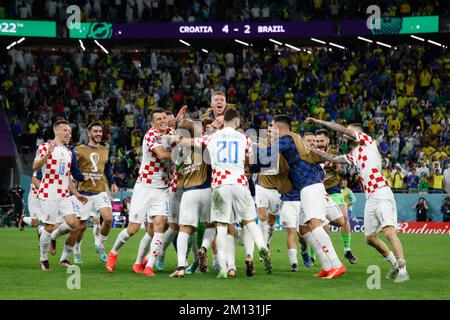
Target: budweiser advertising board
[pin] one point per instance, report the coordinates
(411, 227)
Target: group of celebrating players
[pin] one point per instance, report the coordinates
(205, 176)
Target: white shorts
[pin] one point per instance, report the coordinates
(53, 211)
(147, 201)
(268, 198)
(229, 199)
(95, 202)
(290, 214)
(333, 211)
(380, 211)
(313, 204)
(175, 199)
(33, 206)
(195, 205)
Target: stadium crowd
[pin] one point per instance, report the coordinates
(401, 96)
(209, 10)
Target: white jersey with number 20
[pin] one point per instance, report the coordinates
(228, 149)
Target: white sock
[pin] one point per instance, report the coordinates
(27, 221)
(194, 246)
(63, 229)
(249, 243)
(256, 234)
(120, 241)
(231, 258)
(271, 229)
(40, 229)
(96, 232)
(325, 243)
(44, 242)
(77, 248)
(215, 260)
(67, 252)
(156, 247)
(144, 246)
(401, 263)
(169, 235)
(323, 258)
(292, 253)
(221, 245)
(208, 237)
(100, 240)
(391, 259)
(182, 248)
(264, 229)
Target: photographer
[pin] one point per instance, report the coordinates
(16, 194)
(421, 210)
(445, 209)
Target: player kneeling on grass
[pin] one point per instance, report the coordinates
(229, 150)
(380, 213)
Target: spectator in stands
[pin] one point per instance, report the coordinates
(413, 181)
(437, 182)
(421, 210)
(348, 196)
(397, 180)
(445, 209)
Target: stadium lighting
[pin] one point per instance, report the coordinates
(241, 42)
(184, 42)
(292, 47)
(82, 45)
(384, 44)
(417, 38)
(435, 43)
(317, 40)
(11, 45)
(205, 51)
(276, 42)
(20, 40)
(101, 47)
(336, 45)
(309, 52)
(365, 39)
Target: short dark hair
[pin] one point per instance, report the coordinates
(157, 110)
(95, 124)
(59, 122)
(230, 114)
(283, 118)
(323, 131)
(169, 113)
(308, 133)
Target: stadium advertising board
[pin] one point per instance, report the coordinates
(101, 30)
(405, 227)
(28, 28)
(392, 25)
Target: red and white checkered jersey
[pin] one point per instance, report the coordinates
(367, 160)
(153, 171)
(228, 149)
(173, 182)
(55, 172)
(33, 189)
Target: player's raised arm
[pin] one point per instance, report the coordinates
(333, 126)
(42, 154)
(329, 157)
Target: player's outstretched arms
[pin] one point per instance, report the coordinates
(179, 117)
(329, 157)
(333, 126)
(162, 154)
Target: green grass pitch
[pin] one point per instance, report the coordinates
(21, 278)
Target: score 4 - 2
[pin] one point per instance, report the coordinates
(226, 29)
